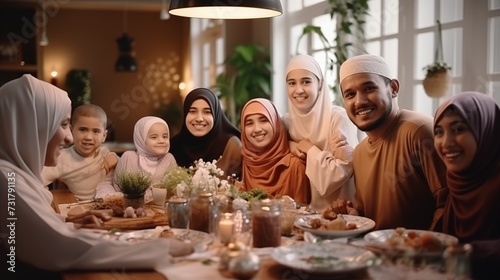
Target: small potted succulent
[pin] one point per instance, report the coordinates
(437, 80)
(133, 185)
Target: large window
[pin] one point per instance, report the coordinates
(207, 52)
(404, 33)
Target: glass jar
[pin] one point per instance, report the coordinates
(457, 261)
(200, 209)
(177, 212)
(266, 224)
(133, 200)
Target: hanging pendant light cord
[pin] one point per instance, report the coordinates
(438, 56)
(125, 27)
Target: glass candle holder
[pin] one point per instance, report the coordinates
(226, 228)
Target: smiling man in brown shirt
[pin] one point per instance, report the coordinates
(399, 178)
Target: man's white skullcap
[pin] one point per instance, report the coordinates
(365, 63)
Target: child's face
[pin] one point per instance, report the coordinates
(199, 119)
(88, 134)
(158, 141)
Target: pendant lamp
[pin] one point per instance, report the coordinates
(226, 9)
(126, 61)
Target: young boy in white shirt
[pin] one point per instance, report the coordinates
(86, 163)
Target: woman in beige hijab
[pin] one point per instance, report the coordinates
(320, 132)
(34, 117)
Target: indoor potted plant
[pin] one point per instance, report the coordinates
(437, 80)
(349, 36)
(78, 87)
(248, 75)
(133, 185)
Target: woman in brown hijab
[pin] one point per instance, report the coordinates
(267, 160)
(465, 136)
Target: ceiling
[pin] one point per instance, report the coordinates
(139, 5)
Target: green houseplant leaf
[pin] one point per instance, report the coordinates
(133, 183)
(349, 15)
(248, 76)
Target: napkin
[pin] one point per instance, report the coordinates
(63, 209)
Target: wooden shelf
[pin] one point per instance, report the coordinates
(18, 68)
(27, 59)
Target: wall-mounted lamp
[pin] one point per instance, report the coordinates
(53, 80)
(164, 15)
(226, 9)
(126, 61)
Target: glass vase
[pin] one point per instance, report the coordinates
(133, 200)
(200, 208)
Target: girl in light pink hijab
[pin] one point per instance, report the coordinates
(152, 141)
(151, 157)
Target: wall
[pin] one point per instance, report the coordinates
(86, 39)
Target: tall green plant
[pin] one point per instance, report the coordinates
(349, 28)
(248, 76)
(78, 87)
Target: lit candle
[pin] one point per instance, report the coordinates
(226, 229)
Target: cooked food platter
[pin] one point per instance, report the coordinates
(345, 226)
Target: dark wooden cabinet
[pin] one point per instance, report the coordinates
(19, 48)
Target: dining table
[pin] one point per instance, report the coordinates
(201, 269)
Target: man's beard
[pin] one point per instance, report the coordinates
(378, 122)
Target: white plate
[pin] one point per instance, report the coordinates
(363, 225)
(379, 238)
(329, 258)
(187, 235)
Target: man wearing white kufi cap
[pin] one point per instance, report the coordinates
(399, 178)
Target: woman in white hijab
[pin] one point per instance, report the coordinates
(319, 131)
(34, 119)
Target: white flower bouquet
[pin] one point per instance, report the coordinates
(200, 177)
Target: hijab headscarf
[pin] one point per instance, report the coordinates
(30, 109)
(272, 168)
(147, 161)
(187, 148)
(474, 194)
(315, 124)
(143, 159)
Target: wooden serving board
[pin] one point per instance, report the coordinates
(155, 216)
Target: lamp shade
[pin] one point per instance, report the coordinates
(226, 9)
(126, 61)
